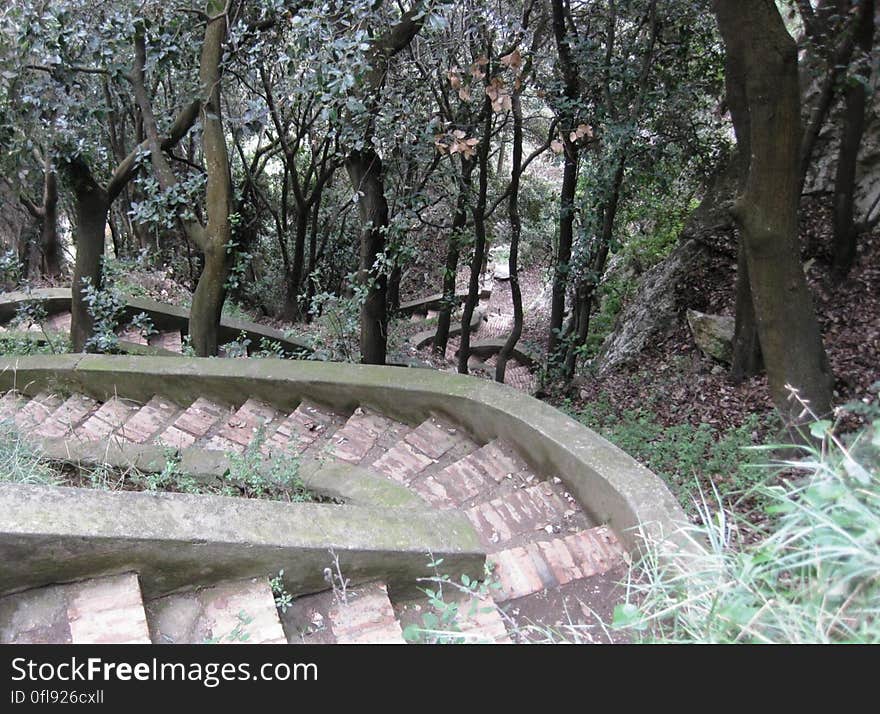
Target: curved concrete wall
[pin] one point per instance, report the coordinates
(612, 487)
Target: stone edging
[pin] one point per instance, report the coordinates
(176, 541)
(163, 317)
(611, 486)
(339, 480)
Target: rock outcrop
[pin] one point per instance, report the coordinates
(713, 334)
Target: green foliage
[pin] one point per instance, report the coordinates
(260, 476)
(810, 577)
(10, 270)
(682, 454)
(446, 597)
(29, 314)
(283, 599)
(20, 462)
(32, 343)
(612, 295)
(106, 306)
(338, 321)
(238, 347)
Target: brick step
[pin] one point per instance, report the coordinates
(150, 420)
(107, 420)
(60, 322)
(516, 515)
(106, 610)
(234, 612)
(73, 412)
(171, 341)
(193, 424)
(362, 432)
(364, 616)
(238, 430)
(474, 478)
(133, 336)
(547, 563)
(305, 431)
(430, 447)
(37, 410)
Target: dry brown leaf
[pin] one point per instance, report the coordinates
(513, 60)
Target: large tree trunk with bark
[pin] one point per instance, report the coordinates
(365, 171)
(207, 304)
(747, 360)
(50, 243)
(764, 56)
(216, 237)
(92, 206)
(571, 81)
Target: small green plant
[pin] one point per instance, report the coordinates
(237, 348)
(261, 477)
(186, 347)
(22, 463)
(238, 633)
(105, 306)
(283, 599)
(442, 625)
(31, 343)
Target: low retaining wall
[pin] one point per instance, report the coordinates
(338, 480)
(611, 486)
(175, 541)
(163, 317)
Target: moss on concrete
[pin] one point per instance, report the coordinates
(174, 541)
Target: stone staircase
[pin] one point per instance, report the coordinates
(495, 325)
(164, 340)
(535, 533)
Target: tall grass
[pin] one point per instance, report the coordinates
(811, 576)
(20, 462)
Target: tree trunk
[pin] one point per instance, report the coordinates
(216, 237)
(759, 45)
(479, 213)
(207, 304)
(365, 171)
(515, 231)
(855, 98)
(571, 80)
(50, 244)
(747, 360)
(92, 206)
(453, 253)
(293, 310)
(393, 291)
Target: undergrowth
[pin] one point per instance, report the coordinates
(682, 454)
(809, 576)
